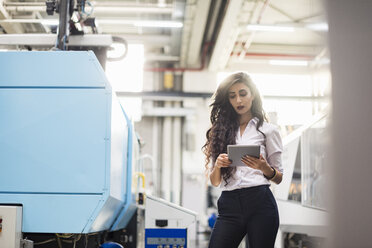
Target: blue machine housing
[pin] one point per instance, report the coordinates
(65, 143)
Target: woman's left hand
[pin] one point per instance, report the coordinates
(256, 163)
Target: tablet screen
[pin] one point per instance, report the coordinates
(236, 152)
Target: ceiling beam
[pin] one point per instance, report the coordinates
(10, 28)
(49, 40)
(100, 10)
(193, 41)
(280, 48)
(291, 18)
(227, 36)
(176, 33)
(156, 40)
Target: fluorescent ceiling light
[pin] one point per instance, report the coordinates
(323, 27)
(289, 62)
(318, 26)
(155, 24)
(272, 28)
(160, 24)
(43, 21)
(50, 22)
(322, 61)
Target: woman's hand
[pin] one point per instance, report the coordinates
(254, 163)
(222, 161)
(257, 163)
(262, 165)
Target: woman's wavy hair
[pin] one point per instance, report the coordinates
(225, 122)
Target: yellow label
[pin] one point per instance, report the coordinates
(168, 80)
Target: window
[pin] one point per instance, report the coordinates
(127, 75)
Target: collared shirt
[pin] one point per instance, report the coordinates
(271, 149)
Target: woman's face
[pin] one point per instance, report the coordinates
(240, 97)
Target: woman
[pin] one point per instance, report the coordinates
(246, 205)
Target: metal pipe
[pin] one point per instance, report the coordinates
(248, 42)
(166, 156)
(276, 55)
(63, 29)
(156, 57)
(154, 175)
(182, 69)
(6, 4)
(95, 3)
(173, 96)
(26, 8)
(132, 10)
(99, 9)
(156, 149)
(176, 158)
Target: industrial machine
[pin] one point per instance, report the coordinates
(168, 225)
(67, 152)
(70, 35)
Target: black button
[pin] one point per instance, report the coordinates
(161, 223)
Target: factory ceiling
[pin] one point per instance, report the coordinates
(194, 34)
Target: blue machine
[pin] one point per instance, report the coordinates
(65, 143)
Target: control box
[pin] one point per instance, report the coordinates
(10, 226)
(168, 225)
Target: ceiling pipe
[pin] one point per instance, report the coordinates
(225, 33)
(26, 8)
(99, 8)
(9, 28)
(248, 42)
(276, 55)
(182, 69)
(24, 4)
(95, 3)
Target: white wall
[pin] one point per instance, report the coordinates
(350, 36)
(194, 182)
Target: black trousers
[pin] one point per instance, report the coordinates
(252, 211)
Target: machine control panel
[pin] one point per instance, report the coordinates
(170, 246)
(165, 238)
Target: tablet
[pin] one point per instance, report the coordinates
(236, 152)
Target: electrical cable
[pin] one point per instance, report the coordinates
(65, 236)
(59, 241)
(74, 246)
(45, 241)
(86, 241)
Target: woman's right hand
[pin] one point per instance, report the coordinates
(222, 161)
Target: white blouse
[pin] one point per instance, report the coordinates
(271, 150)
